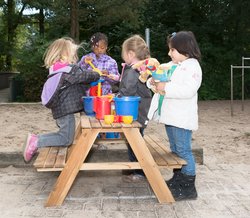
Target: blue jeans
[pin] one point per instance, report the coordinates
(64, 136)
(181, 144)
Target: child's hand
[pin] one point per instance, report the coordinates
(160, 86)
(113, 77)
(88, 59)
(152, 81)
(105, 73)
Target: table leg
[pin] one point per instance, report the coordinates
(67, 176)
(78, 132)
(148, 165)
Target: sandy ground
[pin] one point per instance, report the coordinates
(224, 138)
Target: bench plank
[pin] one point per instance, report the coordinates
(169, 160)
(41, 158)
(158, 159)
(61, 157)
(100, 166)
(51, 157)
(162, 144)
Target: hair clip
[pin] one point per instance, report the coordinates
(93, 40)
(173, 34)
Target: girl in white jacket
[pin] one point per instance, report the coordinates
(179, 109)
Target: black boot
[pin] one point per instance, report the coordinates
(173, 182)
(186, 189)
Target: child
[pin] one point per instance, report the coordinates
(62, 93)
(179, 110)
(135, 49)
(99, 58)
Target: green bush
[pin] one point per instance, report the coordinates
(32, 73)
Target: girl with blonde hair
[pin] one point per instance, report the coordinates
(135, 49)
(62, 93)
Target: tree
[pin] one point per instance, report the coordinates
(74, 27)
(118, 19)
(222, 29)
(12, 19)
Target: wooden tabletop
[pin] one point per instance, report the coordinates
(90, 122)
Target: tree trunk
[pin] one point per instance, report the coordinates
(74, 19)
(13, 19)
(41, 22)
(11, 33)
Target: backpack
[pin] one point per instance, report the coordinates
(51, 86)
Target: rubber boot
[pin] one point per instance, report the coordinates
(174, 181)
(186, 189)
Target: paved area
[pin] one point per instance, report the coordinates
(224, 191)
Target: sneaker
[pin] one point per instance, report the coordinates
(30, 147)
(134, 178)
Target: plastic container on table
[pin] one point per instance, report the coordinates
(88, 105)
(102, 106)
(127, 105)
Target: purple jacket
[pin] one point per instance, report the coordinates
(104, 62)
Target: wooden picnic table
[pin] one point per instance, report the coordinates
(86, 133)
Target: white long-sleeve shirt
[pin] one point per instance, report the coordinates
(180, 104)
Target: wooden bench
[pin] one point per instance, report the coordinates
(150, 153)
(54, 158)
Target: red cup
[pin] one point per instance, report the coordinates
(117, 119)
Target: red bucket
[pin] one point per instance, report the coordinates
(102, 106)
(93, 91)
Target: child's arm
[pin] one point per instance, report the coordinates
(88, 76)
(113, 77)
(112, 73)
(78, 75)
(83, 63)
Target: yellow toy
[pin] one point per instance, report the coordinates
(151, 66)
(146, 67)
(89, 61)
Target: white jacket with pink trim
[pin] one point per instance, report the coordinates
(180, 104)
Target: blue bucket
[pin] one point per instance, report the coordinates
(112, 135)
(127, 105)
(88, 105)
